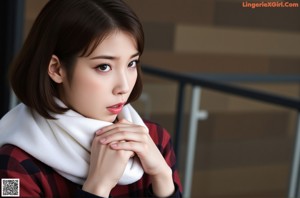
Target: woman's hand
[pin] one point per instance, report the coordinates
(127, 136)
(106, 168)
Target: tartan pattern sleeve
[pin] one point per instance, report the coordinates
(36, 178)
(39, 180)
(162, 139)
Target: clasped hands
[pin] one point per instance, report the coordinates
(111, 149)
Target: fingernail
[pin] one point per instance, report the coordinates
(102, 140)
(99, 132)
(114, 145)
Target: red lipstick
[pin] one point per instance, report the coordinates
(115, 109)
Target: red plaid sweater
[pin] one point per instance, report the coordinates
(39, 180)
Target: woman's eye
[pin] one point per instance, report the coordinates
(133, 63)
(104, 68)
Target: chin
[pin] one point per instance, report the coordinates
(110, 119)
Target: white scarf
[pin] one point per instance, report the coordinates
(63, 144)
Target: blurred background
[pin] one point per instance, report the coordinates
(244, 147)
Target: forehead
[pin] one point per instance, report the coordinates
(115, 42)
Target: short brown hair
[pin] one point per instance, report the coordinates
(68, 29)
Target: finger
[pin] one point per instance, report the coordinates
(123, 129)
(123, 152)
(124, 121)
(110, 127)
(128, 146)
(99, 132)
(122, 136)
(113, 131)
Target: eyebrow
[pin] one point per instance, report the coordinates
(112, 57)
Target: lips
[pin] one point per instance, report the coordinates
(115, 109)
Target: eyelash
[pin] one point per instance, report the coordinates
(107, 65)
(100, 67)
(136, 62)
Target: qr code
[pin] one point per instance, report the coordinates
(10, 187)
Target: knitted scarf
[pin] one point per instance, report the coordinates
(65, 143)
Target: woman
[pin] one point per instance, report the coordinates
(74, 133)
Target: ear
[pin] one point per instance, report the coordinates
(55, 70)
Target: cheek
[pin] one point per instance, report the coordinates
(86, 96)
(133, 79)
(88, 86)
(85, 84)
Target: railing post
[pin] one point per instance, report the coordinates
(295, 174)
(196, 115)
(179, 118)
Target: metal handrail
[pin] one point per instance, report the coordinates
(216, 82)
(193, 79)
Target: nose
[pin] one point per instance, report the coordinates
(122, 84)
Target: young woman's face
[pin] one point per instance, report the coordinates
(103, 81)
